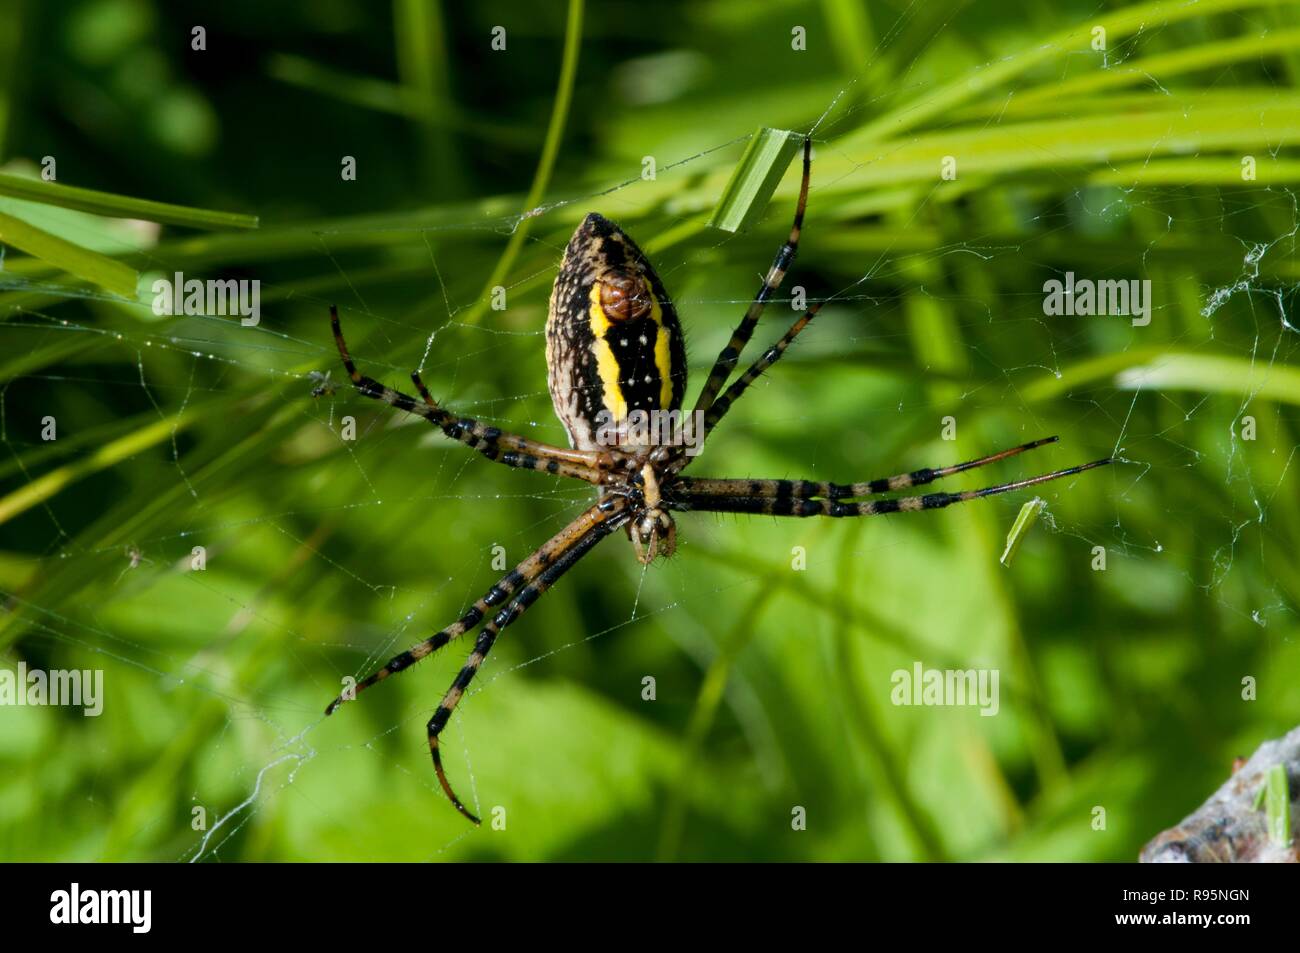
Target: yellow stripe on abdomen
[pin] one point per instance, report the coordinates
(663, 359)
(606, 364)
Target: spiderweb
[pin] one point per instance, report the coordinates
(769, 643)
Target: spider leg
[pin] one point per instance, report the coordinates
(809, 489)
(514, 593)
(803, 506)
(495, 444)
(729, 355)
(770, 357)
(501, 593)
(561, 554)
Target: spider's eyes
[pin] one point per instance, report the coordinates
(624, 296)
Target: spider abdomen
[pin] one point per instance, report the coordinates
(614, 346)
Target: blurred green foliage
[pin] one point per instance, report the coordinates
(1121, 689)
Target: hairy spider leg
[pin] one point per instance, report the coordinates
(729, 355)
(769, 357)
(810, 489)
(557, 556)
(494, 443)
(501, 592)
(797, 506)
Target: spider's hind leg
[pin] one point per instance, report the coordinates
(506, 589)
(514, 593)
(556, 557)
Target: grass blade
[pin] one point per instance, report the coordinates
(1226, 171)
(1216, 55)
(1084, 141)
(48, 485)
(1027, 517)
(119, 206)
(1277, 805)
(92, 266)
(546, 163)
(1130, 20)
(1214, 374)
(755, 179)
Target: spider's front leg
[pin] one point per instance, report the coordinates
(729, 355)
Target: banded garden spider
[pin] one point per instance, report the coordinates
(614, 351)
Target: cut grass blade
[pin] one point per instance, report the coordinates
(92, 266)
(1277, 806)
(119, 206)
(755, 179)
(1027, 517)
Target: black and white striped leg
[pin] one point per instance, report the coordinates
(494, 443)
(570, 545)
(770, 357)
(502, 591)
(729, 355)
(678, 497)
(811, 489)
(513, 593)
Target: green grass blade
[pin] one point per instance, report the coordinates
(755, 179)
(1213, 374)
(420, 39)
(1224, 171)
(1165, 65)
(1155, 368)
(1110, 102)
(546, 163)
(355, 89)
(119, 206)
(11, 43)
(92, 266)
(1277, 805)
(1027, 517)
(48, 485)
(1122, 23)
(1086, 140)
(852, 36)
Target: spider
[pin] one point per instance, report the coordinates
(615, 354)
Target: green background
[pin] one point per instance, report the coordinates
(1121, 689)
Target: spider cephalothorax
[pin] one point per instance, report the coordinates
(617, 376)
